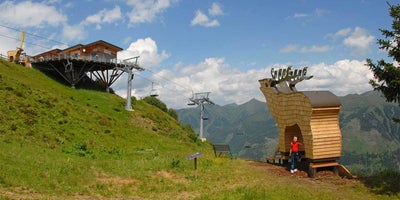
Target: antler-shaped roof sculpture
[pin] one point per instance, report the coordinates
(285, 80)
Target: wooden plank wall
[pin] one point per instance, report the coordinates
(326, 135)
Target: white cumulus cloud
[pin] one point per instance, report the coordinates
(147, 50)
(105, 16)
(359, 40)
(202, 19)
(341, 33)
(312, 49)
(143, 11)
(30, 14)
(215, 10)
(342, 77)
(229, 85)
(74, 32)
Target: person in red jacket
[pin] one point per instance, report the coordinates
(294, 154)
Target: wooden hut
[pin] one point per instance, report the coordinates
(312, 116)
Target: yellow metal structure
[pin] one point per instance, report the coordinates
(14, 55)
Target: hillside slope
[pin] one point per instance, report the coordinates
(62, 143)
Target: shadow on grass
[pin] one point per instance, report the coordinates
(383, 183)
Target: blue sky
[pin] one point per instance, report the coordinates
(222, 47)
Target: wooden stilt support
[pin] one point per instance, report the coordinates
(274, 156)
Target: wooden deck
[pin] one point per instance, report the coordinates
(73, 70)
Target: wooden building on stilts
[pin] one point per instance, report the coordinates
(75, 64)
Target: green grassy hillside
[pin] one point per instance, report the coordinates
(62, 143)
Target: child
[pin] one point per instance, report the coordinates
(294, 154)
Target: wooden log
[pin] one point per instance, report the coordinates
(325, 164)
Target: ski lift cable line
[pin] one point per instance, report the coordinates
(147, 79)
(186, 88)
(35, 35)
(166, 79)
(44, 47)
(168, 88)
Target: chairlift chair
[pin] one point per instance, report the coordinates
(205, 115)
(153, 92)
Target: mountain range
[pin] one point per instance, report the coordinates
(371, 140)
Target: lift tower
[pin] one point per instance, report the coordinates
(199, 99)
(128, 68)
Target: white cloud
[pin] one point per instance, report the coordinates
(104, 16)
(230, 85)
(74, 33)
(318, 12)
(321, 12)
(145, 10)
(202, 20)
(343, 77)
(289, 48)
(113, 15)
(210, 75)
(359, 40)
(234, 86)
(340, 33)
(52, 1)
(147, 50)
(78, 31)
(215, 10)
(30, 14)
(313, 49)
(300, 15)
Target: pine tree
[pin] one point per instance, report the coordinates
(387, 74)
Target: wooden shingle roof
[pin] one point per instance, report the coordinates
(322, 98)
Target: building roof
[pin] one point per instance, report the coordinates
(82, 46)
(322, 98)
(102, 41)
(51, 51)
(72, 47)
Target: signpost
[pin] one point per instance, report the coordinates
(194, 157)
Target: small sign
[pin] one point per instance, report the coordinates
(195, 155)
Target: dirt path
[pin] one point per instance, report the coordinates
(323, 176)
